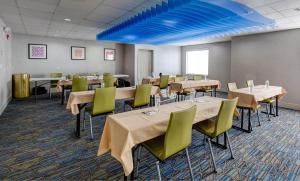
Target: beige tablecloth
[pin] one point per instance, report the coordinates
(125, 130)
(82, 97)
(69, 82)
(156, 81)
(259, 93)
(193, 84)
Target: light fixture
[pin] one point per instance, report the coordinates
(176, 21)
(67, 19)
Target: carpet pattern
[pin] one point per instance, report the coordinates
(37, 142)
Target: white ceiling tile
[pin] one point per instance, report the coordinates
(37, 5)
(123, 4)
(109, 11)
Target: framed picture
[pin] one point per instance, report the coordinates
(37, 51)
(77, 53)
(109, 54)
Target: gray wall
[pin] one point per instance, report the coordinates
(5, 69)
(270, 56)
(129, 61)
(59, 56)
(166, 59)
(219, 60)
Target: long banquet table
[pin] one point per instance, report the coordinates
(78, 100)
(42, 79)
(250, 99)
(125, 130)
(194, 84)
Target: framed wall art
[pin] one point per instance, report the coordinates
(37, 51)
(77, 53)
(109, 54)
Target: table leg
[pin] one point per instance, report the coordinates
(77, 132)
(276, 106)
(35, 90)
(63, 95)
(249, 121)
(215, 92)
(242, 119)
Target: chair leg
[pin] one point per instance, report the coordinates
(268, 113)
(189, 163)
(195, 94)
(204, 138)
(138, 161)
(229, 145)
(83, 120)
(212, 155)
(258, 119)
(50, 92)
(91, 124)
(124, 106)
(273, 108)
(158, 170)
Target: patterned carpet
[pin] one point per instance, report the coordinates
(37, 142)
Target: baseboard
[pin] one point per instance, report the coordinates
(289, 105)
(2, 108)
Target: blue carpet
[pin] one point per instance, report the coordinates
(37, 142)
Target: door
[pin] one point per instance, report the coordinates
(144, 64)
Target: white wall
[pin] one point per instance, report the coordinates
(59, 56)
(219, 61)
(166, 59)
(5, 69)
(270, 56)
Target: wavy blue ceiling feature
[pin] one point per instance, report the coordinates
(182, 20)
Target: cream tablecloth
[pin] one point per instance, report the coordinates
(69, 82)
(156, 81)
(259, 93)
(125, 130)
(193, 84)
(82, 97)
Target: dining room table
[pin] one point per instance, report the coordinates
(250, 98)
(156, 80)
(78, 100)
(124, 131)
(179, 87)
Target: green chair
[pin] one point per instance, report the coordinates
(223, 123)
(232, 86)
(179, 79)
(197, 77)
(172, 142)
(103, 104)
(164, 82)
(141, 96)
(268, 102)
(53, 83)
(179, 75)
(79, 84)
(108, 80)
(106, 73)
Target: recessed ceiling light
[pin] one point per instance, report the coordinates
(67, 19)
(297, 9)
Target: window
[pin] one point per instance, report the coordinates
(197, 62)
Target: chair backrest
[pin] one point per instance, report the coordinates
(179, 75)
(250, 83)
(142, 95)
(55, 75)
(179, 79)
(106, 73)
(79, 84)
(231, 86)
(225, 115)
(108, 80)
(164, 81)
(104, 100)
(179, 131)
(198, 77)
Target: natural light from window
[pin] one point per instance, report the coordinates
(197, 62)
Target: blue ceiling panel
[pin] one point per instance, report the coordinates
(183, 20)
